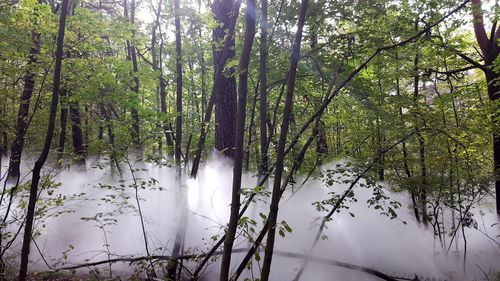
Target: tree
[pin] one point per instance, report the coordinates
(24, 105)
(287, 111)
(225, 94)
(490, 50)
(30, 216)
(264, 144)
(240, 137)
(132, 57)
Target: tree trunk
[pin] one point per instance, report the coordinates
(287, 112)
(240, 136)
(489, 48)
(24, 106)
(181, 231)
(251, 129)
(216, 85)
(264, 145)
(77, 134)
(178, 64)
(63, 123)
(30, 216)
(132, 56)
(422, 189)
(406, 166)
(225, 94)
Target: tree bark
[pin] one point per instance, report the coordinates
(287, 111)
(24, 105)
(63, 122)
(30, 216)
(422, 189)
(225, 94)
(178, 65)
(264, 158)
(77, 134)
(132, 57)
(489, 48)
(181, 231)
(216, 85)
(240, 138)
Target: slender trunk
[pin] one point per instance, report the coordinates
(111, 136)
(24, 105)
(203, 76)
(287, 111)
(77, 134)
(321, 141)
(30, 216)
(63, 123)
(166, 128)
(240, 136)
(181, 231)
(264, 158)
(178, 66)
(422, 189)
(405, 159)
(251, 129)
(132, 57)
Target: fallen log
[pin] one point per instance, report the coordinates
(132, 260)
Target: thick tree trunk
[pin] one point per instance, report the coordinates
(30, 216)
(490, 49)
(287, 112)
(225, 94)
(24, 105)
(240, 137)
(226, 50)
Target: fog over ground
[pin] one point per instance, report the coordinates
(367, 239)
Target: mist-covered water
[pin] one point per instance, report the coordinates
(101, 221)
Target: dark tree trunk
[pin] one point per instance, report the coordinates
(166, 128)
(287, 112)
(264, 145)
(225, 94)
(240, 138)
(111, 136)
(178, 66)
(226, 50)
(181, 231)
(406, 166)
(203, 77)
(321, 141)
(30, 216)
(24, 105)
(132, 56)
(489, 48)
(77, 134)
(251, 129)
(422, 189)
